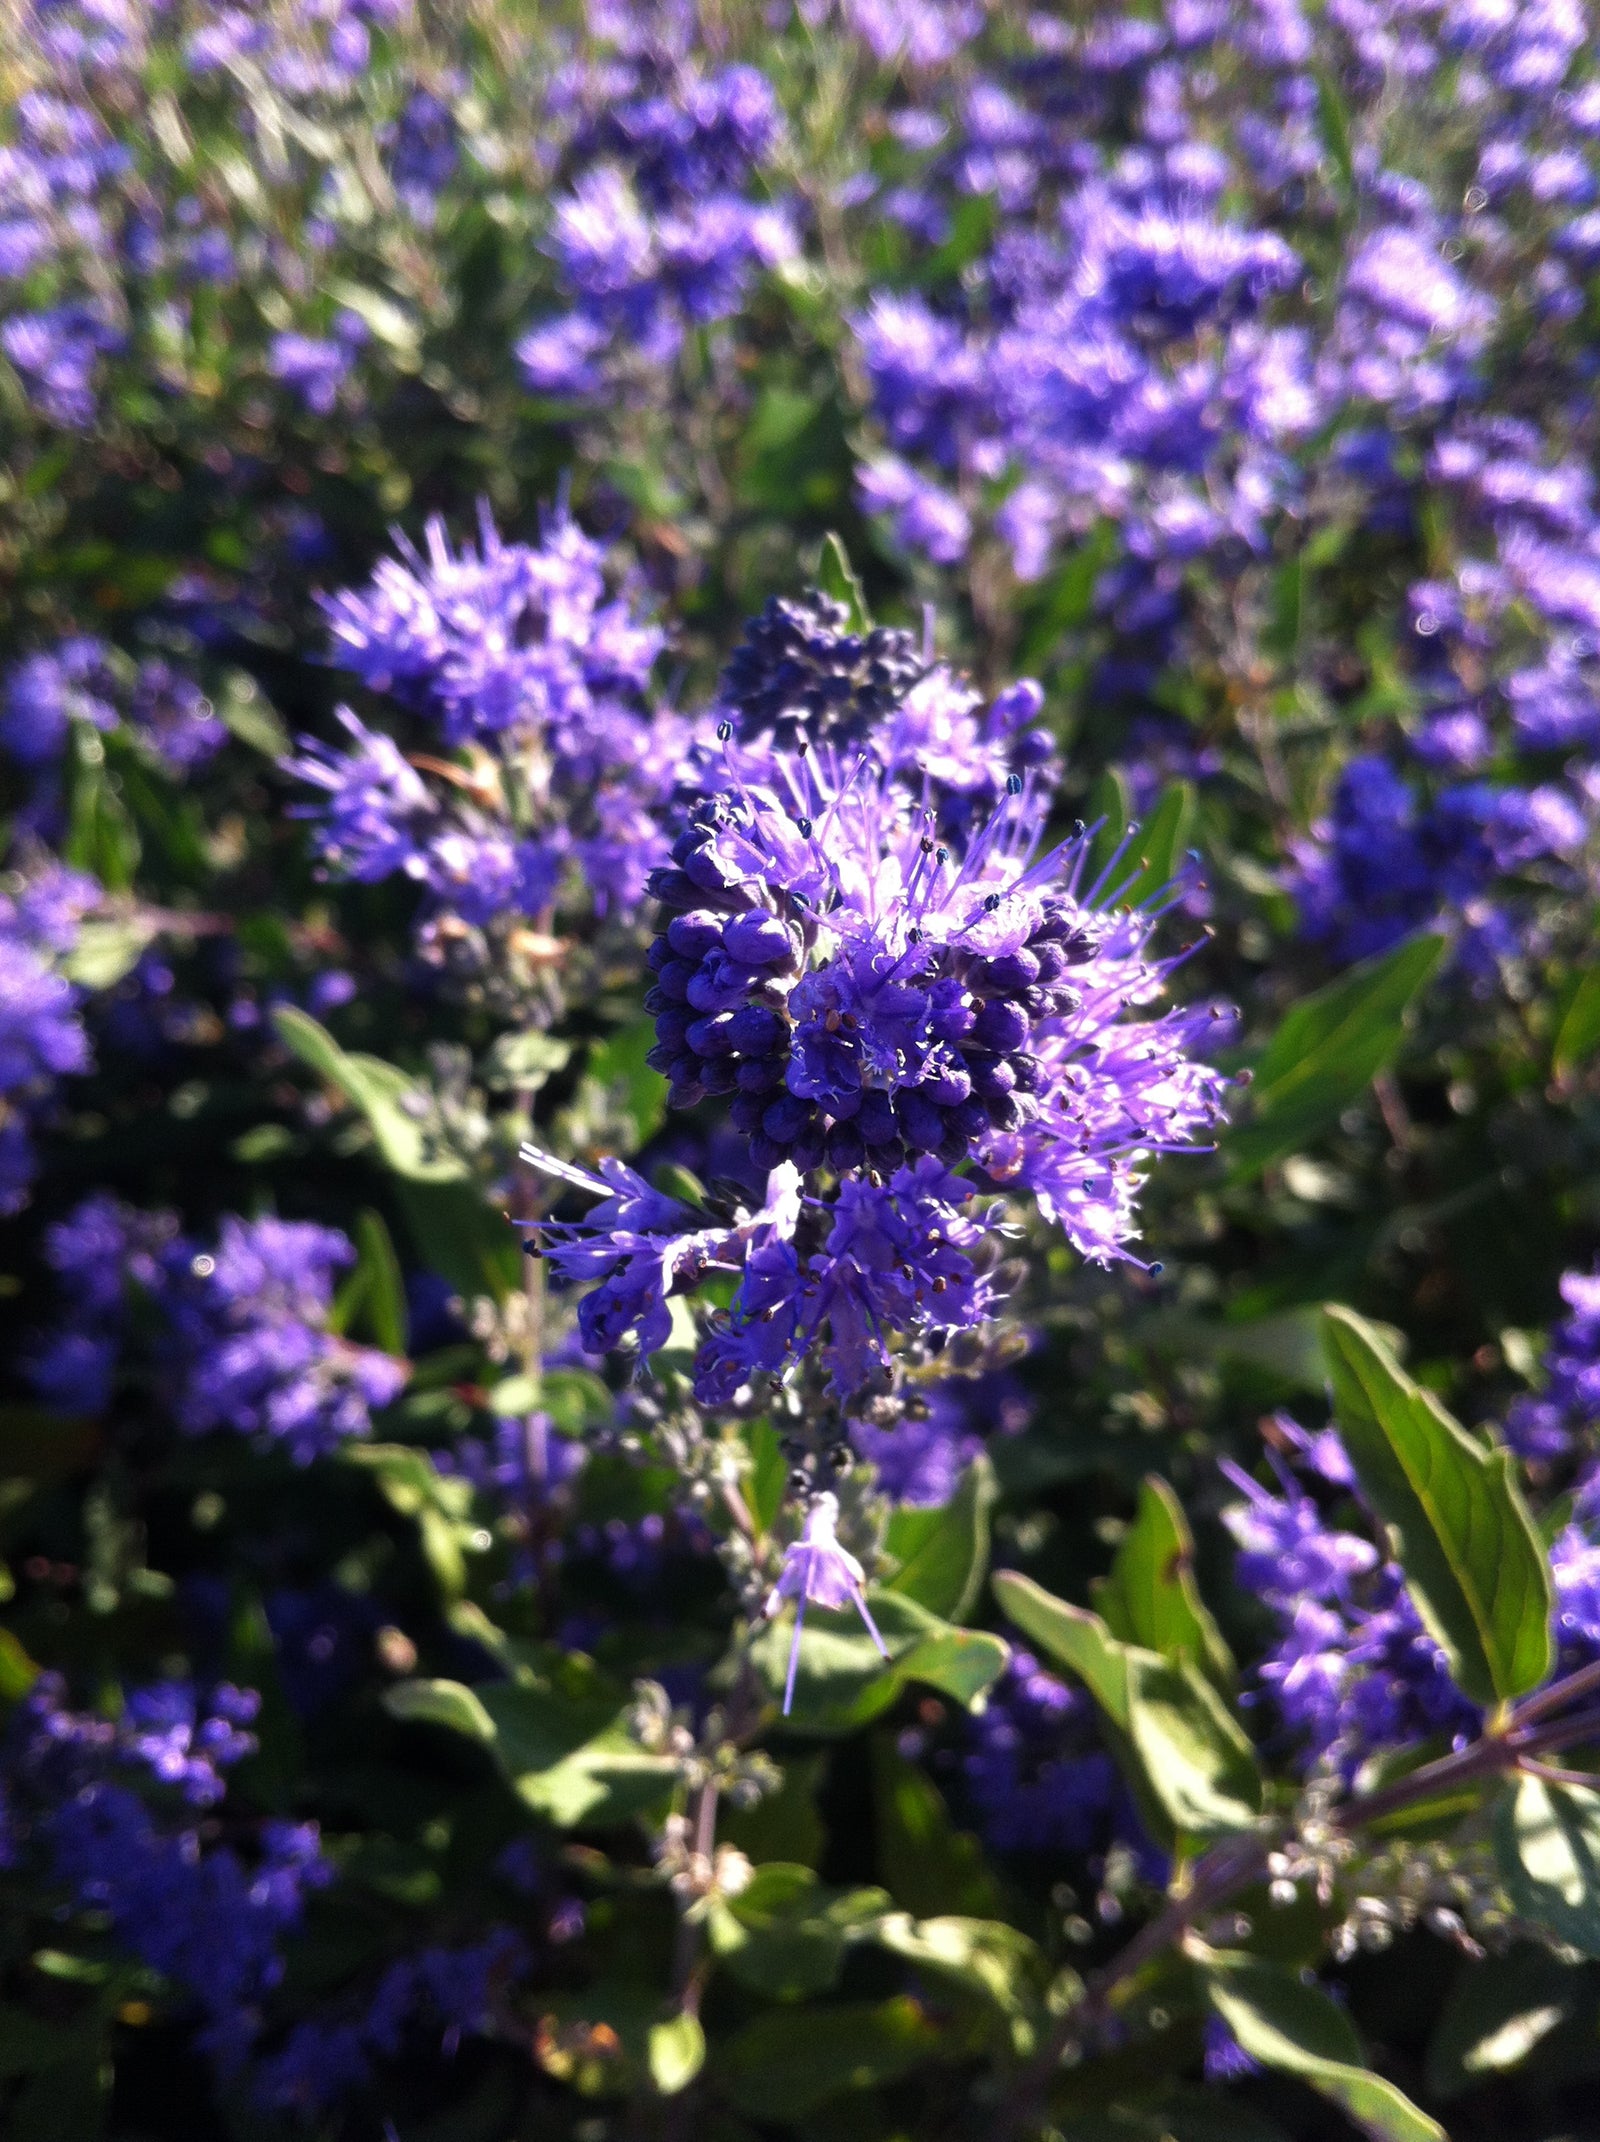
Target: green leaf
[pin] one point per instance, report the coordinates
(373, 1298)
(986, 1957)
(440, 1703)
(676, 2053)
(784, 1824)
(836, 576)
(17, 1671)
(1110, 808)
(563, 1743)
(1335, 119)
(1183, 1751)
(1073, 1636)
(107, 949)
(1578, 1035)
(1547, 1843)
(1157, 850)
(1195, 1754)
(789, 2061)
(1297, 2029)
(1326, 1052)
(843, 1683)
(1500, 2009)
(785, 1936)
(524, 1062)
(943, 1553)
(471, 1246)
(1150, 1596)
(931, 1867)
(620, 1101)
(438, 1505)
(398, 1110)
(1457, 1522)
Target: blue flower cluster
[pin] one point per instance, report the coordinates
(512, 658)
(42, 1036)
(235, 1337)
(883, 986)
(664, 218)
(210, 1917)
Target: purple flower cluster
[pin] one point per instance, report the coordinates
(240, 1340)
(1562, 1416)
(1352, 1669)
(883, 986)
(1034, 1772)
(42, 1037)
(1390, 859)
(455, 1989)
(82, 680)
(513, 658)
(211, 1918)
(661, 226)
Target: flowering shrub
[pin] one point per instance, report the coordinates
(799, 1070)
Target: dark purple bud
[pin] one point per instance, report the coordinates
(693, 935)
(922, 1125)
(712, 1037)
(992, 1076)
(787, 1117)
(1028, 1072)
(759, 940)
(658, 955)
(949, 1089)
(1001, 1027)
(674, 979)
(1005, 975)
(756, 1031)
(672, 888)
(717, 1074)
(875, 1119)
(672, 1026)
(845, 1148)
(767, 1152)
(745, 1111)
(762, 1074)
(971, 1118)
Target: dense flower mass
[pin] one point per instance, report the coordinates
(685, 689)
(512, 658)
(883, 991)
(242, 1340)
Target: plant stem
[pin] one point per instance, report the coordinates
(1235, 1862)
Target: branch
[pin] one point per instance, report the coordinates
(1235, 1862)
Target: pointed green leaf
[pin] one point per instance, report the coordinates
(1194, 1752)
(1177, 1740)
(789, 2060)
(1110, 808)
(1071, 1635)
(1578, 1035)
(1547, 1843)
(677, 2053)
(943, 1553)
(393, 1104)
(1457, 1522)
(844, 1683)
(931, 1867)
(785, 1936)
(1150, 1596)
(1326, 1052)
(837, 577)
(1296, 2028)
(1499, 2011)
(441, 1703)
(1157, 850)
(381, 1303)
